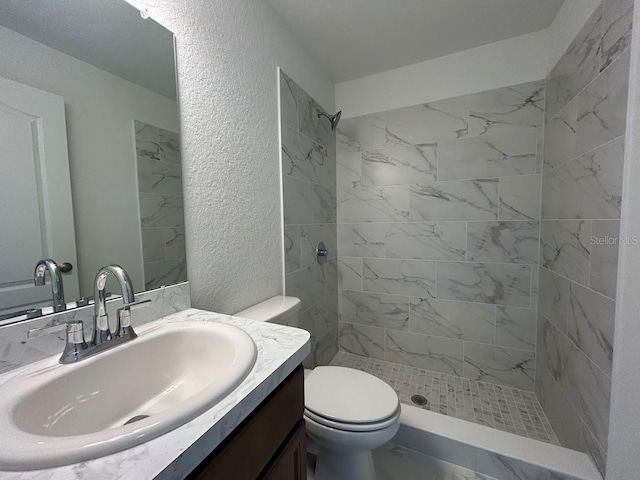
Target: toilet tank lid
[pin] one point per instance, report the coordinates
(276, 308)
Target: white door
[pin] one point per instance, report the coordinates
(36, 215)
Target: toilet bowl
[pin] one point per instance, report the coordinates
(348, 413)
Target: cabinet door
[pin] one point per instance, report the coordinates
(291, 462)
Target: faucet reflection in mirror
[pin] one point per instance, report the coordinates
(57, 288)
(102, 339)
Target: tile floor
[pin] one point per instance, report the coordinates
(509, 409)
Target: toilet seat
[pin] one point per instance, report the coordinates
(352, 427)
(350, 400)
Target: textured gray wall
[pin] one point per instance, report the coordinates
(228, 52)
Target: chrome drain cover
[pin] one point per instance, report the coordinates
(419, 400)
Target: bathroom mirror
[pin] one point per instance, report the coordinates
(90, 154)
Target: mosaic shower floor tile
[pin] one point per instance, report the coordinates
(504, 408)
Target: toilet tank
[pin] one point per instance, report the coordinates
(279, 309)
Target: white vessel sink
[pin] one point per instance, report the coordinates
(53, 414)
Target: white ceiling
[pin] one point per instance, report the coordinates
(109, 34)
(356, 38)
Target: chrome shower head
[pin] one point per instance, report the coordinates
(334, 119)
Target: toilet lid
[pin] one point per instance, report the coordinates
(349, 396)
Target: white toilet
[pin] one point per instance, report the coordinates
(348, 413)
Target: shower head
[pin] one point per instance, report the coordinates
(334, 119)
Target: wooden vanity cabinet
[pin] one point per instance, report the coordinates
(269, 445)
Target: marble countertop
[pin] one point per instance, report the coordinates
(175, 454)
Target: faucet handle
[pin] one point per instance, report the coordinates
(73, 328)
(124, 328)
(38, 332)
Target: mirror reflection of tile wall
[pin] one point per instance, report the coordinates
(161, 210)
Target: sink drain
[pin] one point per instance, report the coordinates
(419, 400)
(136, 419)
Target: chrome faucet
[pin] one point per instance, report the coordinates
(57, 289)
(102, 339)
(101, 332)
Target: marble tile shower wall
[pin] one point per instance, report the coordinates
(161, 210)
(438, 234)
(309, 203)
(582, 189)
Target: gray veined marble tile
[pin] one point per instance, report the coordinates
(362, 340)
(422, 351)
(311, 236)
(288, 101)
(361, 240)
(564, 419)
(554, 298)
(455, 200)
(506, 242)
(499, 365)
(350, 273)
(175, 242)
(588, 389)
(375, 204)
(153, 244)
(160, 210)
(491, 155)
(169, 143)
(316, 128)
(393, 462)
(553, 345)
(331, 276)
(427, 123)
(399, 164)
(516, 327)
(349, 170)
(588, 187)
(147, 140)
(155, 176)
(578, 66)
(540, 150)
(591, 321)
(505, 109)
(502, 467)
(617, 21)
(376, 310)
(400, 277)
(604, 256)
(602, 106)
(560, 136)
(585, 386)
(320, 319)
(590, 445)
(307, 284)
(520, 197)
(426, 241)
(367, 132)
(566, 248)
(166, 272)
(307, 203)
(304, 159)
(292, 260)
(460, 320)
(502, 284)
(535, 276)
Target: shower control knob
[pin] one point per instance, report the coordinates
(321, 253)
